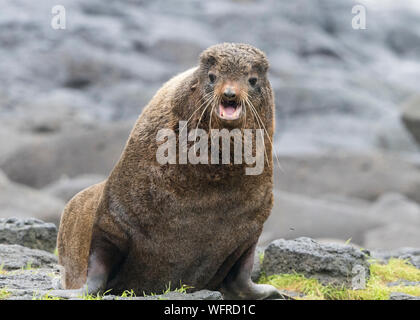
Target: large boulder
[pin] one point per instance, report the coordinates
(332, 264)
(12, 139)
(393, 236)
(88, 151)
(411, 116)
(30, 233)
(65, 188)
(20, 201)
(360, 175)
(401, 222)
(405, 40)
(58, 110)
(402, 296)
(412, 254)
(14, 256)
(295, 215)
(392, 207)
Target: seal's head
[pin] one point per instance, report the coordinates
(233, 79)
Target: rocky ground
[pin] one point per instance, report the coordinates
(347, 106)
(29, 269)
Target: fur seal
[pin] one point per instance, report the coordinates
(151, 225)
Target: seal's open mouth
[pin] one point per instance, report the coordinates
(229, 110)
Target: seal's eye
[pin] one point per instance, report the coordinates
(212, 77)
(253, 81)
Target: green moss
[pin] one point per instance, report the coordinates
(128, 294)
(4, 293)
(183, 288)
(98, 296)
(261, 257)
(2, 271)
(45, 297)
(376, 286)
(396, 269)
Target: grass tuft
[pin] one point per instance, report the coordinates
(376, 286)
(183, 288)
(45, 297)
(4, 294)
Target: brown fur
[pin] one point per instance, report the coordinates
(175, 223)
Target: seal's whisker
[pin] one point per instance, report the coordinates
(210, 101)
(259, 126)
(268, 136)
(259, 122)
(206, 98)
(216, 102)
(243, 108)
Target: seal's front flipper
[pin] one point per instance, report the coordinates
(239, 286)
(103, 258)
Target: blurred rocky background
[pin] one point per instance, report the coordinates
(348, 104)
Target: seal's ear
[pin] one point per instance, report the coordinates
(207, 59)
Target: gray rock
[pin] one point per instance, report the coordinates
(403, 283)
(24, 202)
(411, 116)
(358, 203)
(14, 256)
(365, 176)
(198, 295)
(404, 40)
(31, 233)
(38, 283)
(11, 139)
(414, 260)
(402, 296)
(130, 97)
(66, 188)
(337, 81)
(331, 264)
(177, 51)
(93, 151)
(392, 207)
(314, 99)
(393, 236)
(401, 217)
(410, 254)
(27, 282)
(69, 112)
(295, 215)
(393, 136)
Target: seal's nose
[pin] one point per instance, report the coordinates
(229, 93)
